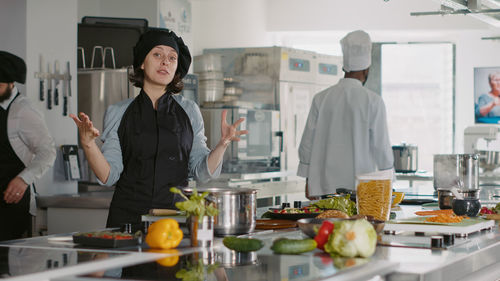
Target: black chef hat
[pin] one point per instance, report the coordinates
(162, 36)
(12, 68)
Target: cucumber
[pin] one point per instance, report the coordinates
(242, 244)
(293, 246)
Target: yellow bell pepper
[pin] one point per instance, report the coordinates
(168, 261)
(164, 234)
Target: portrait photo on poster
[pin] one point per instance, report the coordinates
(487, 95)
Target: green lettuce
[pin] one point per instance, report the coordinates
(352, 238)
(341, 203)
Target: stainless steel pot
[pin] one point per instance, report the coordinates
(237, 209)
(451, 169)
(405, 158)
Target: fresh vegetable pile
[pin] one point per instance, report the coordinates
(345, 238)
(305, 210)
(341, 203)
(488, 211)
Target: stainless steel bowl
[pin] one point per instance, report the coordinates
(310, 226)
(488, 160)
(237, 209)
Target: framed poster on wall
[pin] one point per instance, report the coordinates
(487, 94)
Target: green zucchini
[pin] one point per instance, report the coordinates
(293, 246)
(242, 244)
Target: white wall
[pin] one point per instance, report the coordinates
(13, 40)
(45, 27)
(226, 24)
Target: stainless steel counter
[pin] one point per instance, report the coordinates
(477, 256)
(86, 200)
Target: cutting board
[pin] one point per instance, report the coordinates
(418, 224)
(274, 224)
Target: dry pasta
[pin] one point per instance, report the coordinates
(374, 198)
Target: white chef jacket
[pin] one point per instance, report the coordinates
(345, 135)
(30, 139)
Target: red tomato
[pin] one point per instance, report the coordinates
(322, 236)
(106, 236)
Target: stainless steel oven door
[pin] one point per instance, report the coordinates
(262, 141)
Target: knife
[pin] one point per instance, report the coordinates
(66, 89)
(41, 78)
(49, 88)
(56, 83)
(163, 212)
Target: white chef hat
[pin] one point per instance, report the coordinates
(357, 50)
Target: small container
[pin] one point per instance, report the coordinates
(437, 241)
(285, 205)
(449, 239)
(201, 233)
(374, 194)
(468, 207)
(445, 197)
(297, 204)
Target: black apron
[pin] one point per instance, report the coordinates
(155, 148)
(14, 218)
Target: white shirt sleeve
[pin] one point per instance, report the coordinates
(33, 132)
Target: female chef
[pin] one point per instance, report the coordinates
(156, 140)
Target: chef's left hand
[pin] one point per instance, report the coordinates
(15, 190)
(229, 132)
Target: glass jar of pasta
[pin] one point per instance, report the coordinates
(374, 194)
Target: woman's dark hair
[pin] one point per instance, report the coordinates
(174, 87)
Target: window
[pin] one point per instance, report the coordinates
(418, 91)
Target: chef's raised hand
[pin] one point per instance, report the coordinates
(230, 133)
(88, 133)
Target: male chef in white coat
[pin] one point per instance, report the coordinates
(346, 132)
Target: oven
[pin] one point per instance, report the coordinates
(259, 150)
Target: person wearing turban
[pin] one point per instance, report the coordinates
(156, 140)
(27, 150)
(346, 132)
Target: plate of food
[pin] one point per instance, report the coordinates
(293, 213)
(107, 239)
